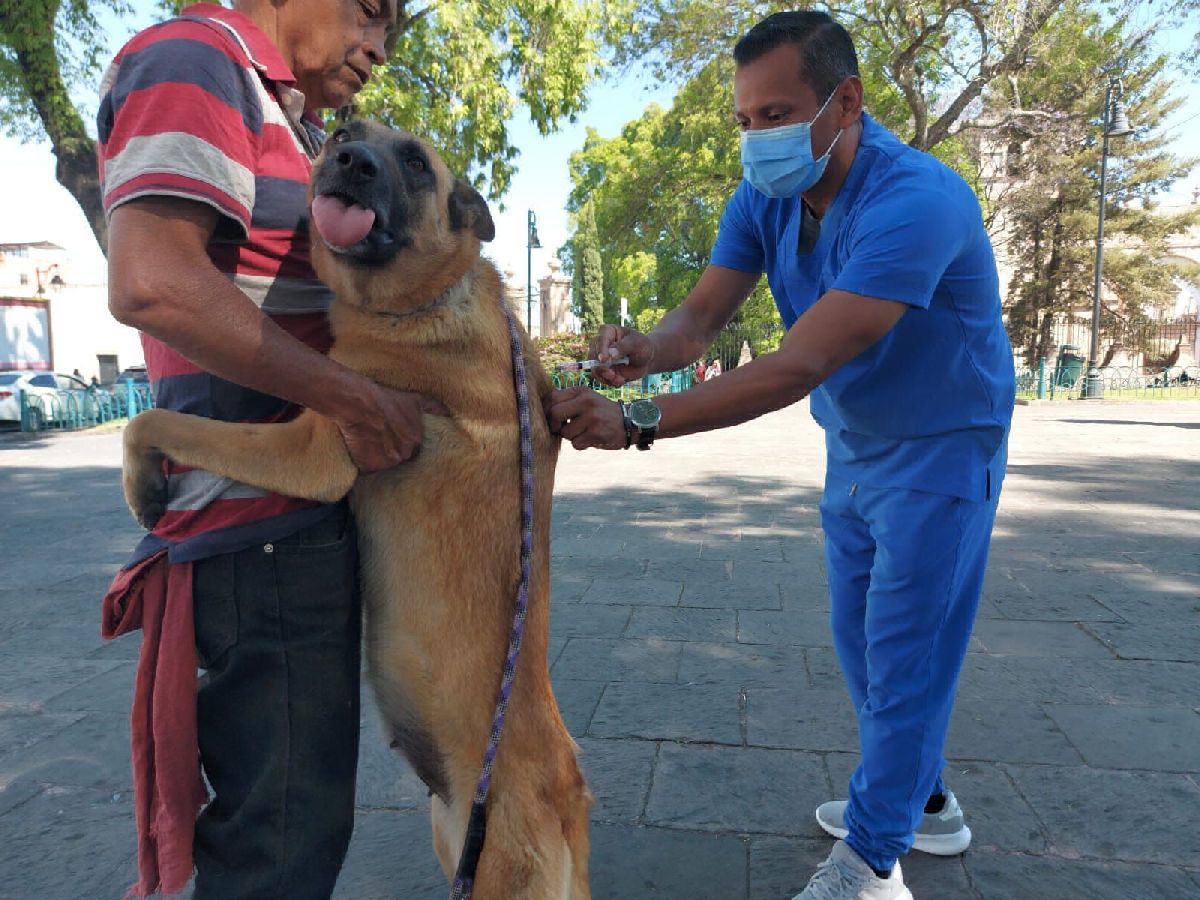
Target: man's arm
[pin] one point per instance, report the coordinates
(683, 334)
(837, 328)
(162, 282)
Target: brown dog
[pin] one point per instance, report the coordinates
(397, 238)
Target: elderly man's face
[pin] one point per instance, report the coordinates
(334, 44)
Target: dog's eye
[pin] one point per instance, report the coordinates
(340, 136)
(416, 164)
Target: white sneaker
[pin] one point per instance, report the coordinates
(845, 876)
(942, 833)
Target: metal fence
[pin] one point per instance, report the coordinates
(1066, 382)
(71, 410)
(649, 386)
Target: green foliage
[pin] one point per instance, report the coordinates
(559, 348)
(950, 77)
(460, 71)
(1048, 216)
(588, 276)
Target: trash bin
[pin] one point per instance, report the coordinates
(1069, 366)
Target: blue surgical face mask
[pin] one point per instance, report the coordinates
(779, 161)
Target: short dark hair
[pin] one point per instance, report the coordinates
(826, 51)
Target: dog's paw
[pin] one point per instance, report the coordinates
(145, 485)
(144, 477)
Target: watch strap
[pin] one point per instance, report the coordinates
(628, 422)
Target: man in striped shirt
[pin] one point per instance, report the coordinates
(208, 127)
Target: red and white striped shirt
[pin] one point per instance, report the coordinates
(204, 107)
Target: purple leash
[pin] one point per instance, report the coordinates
(464, 879)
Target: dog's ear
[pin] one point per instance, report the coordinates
(469, 210)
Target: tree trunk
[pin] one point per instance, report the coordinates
(41, 77)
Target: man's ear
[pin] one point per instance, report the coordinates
(469, 210)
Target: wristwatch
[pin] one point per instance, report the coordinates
(627, 422)
(645, 416)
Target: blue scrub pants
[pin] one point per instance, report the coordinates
(905, 575)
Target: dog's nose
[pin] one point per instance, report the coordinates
(358, 161)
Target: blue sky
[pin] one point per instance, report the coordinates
(35, 207)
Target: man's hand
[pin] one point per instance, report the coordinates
(613, 342)
(385, 427)
(587, 419)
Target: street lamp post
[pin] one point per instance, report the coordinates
(531, 243)
(1115, 124)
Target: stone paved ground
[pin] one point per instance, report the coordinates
(692, 659)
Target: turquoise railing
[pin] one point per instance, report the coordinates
(70, 410)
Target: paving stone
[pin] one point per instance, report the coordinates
(1053, 639)
(780, 867)
(790, 627)
(110, 692)
(92, 752)
(800, 720)
(588, 620)
(680, 712)
(618, 774)
(1102, 814)
(824, 670)
(693, 572)
(13, 794)
(736, 594)
(625, 659)
(1008, 731)
(664, 549)
(1055, 608)
(1162, 640)
(999, 817)
(1137, 682)
(757, 550)
(680, 624)
(391, 856)
(590, 547)
(385, 779)
(745, 789)
(616, 591)
(72, 639)
(629, 862)
(742, 665)
(613, 568)
(68, 843)
(1004, 876)
(29, 681)
(20, 729)
(576, 702)
(1133, 737)
(567, 587)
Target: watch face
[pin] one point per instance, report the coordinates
(644, 413)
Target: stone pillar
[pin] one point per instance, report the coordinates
(554, 291)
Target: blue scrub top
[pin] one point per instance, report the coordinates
(928, 407)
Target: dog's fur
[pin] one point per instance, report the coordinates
(419, 310)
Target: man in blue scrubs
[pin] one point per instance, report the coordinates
(882, 270)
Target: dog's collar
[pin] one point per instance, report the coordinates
(459, 292)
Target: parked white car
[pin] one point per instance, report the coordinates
(46, 385)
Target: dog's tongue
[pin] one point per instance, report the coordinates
(341, 224)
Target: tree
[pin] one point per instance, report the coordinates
(458, 74)
(1047, 220)
(660, 186)
(588, 276)
(935, 72)
(48, 47)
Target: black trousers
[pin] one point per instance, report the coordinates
(277, 630)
